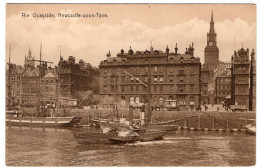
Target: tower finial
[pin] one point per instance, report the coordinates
(212, 15)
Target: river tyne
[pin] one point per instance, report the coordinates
(27, 146)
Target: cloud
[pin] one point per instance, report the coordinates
(91, 42)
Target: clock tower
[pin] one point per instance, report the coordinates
(211, 52)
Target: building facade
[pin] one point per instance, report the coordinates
(75, 77)
(252, 94)
(49, 87)
(14, 85)
(135, 77)
(223, 87)
(204, 85)
(240, 77)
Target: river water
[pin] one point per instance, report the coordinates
(27, 146)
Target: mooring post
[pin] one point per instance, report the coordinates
(185, 120)
(88, 117)
(199, 122)
(130, 115)
(227, 120)
(213, 122)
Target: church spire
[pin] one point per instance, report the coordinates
(211, 30)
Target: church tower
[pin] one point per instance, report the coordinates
(211, 52)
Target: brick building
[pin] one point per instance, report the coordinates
(49, 86)
(13, 80)
(172, 76)
(223, 87)
(204, 85)
(252, 91)
(76, 77)
(240, 77)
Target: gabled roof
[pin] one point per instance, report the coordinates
(51, 75)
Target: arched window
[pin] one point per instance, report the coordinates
(132, 100)
(161, 100)
(192, 100)
(137, 100)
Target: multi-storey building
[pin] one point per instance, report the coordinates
(13, 81)
(49, 86)
(223, 87)
(134, 77)
(252, 93)
(204, 85)
(240, 77)
(30, 87)
(223, 68)
(75, 77)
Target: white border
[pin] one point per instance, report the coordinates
(3, 39)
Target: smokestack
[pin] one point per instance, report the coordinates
(131, 115)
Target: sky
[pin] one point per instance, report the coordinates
(135, 25)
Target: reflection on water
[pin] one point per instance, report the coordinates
(27, 146)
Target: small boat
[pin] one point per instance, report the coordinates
(251, 128)
(15, 118)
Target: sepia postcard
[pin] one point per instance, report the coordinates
(102, 85)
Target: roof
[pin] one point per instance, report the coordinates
(51, 75)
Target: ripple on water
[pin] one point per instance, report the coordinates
(50, 147)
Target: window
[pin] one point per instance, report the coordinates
(155, 79)
(161, 69)
(137, 88)
(192, 69)
(161, 100)
(161, 79)
(132, 100)
(192, 79)
(132, 79)
(191, 88)
(181, 70)
(137, 100)
(155, 69)
(161, 88)
(171, 79)
(131, 88)
(122, 79)
(146, 79)
(123, 88)
(181, 79)
(192, 100)
(105, 79)
(171, 88)
(181, 88)
(155, 88)
(105, 71)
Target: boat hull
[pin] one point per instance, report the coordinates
(151, 136)
(42, 121)
(251, 128)
(93, 138)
